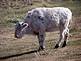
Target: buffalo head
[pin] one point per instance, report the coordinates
(20, 29)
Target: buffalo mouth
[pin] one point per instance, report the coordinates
(17, 36)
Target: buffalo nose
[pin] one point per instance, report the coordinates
(17, 36)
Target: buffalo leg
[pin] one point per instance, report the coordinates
(66, 37)
(61, 36)
(57, 44)
(41, 39)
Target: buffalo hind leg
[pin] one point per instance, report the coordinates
(66, 37)
(57, 44)
(61, 36)
(64, 32)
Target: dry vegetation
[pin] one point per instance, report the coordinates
(12, 49)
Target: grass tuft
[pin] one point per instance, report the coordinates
(74, 43)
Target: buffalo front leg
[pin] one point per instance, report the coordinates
(41, 39)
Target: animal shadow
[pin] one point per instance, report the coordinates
(16, 55)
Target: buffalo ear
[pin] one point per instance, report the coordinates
(18, 25)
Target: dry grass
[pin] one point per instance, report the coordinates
(22, 48)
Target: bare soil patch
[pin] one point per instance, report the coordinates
(24, 49)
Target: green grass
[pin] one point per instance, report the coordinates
(7, 15)
(74, 43)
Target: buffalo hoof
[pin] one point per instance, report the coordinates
(56, 46)
(41, 48)
(64, 44)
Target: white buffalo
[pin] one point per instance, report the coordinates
(41, 20)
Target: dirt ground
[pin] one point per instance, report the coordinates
(25, 49)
